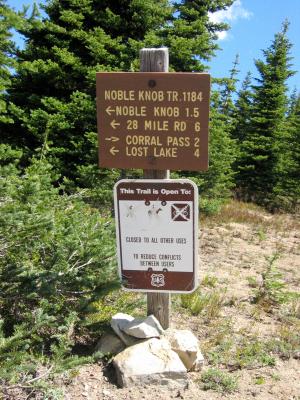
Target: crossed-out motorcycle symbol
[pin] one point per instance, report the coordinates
(180, 212)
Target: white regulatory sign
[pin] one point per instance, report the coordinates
(157, 225)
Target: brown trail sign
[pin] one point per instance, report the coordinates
(153, 120)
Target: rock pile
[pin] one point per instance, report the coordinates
(146, 354)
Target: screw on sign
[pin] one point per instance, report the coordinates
(157, 225)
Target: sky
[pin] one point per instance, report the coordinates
(253, 26)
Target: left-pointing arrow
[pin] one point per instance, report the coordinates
(109, 110)
(114, 124)
(113, 151)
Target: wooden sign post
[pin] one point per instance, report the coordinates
(157, 121)
(158, 304)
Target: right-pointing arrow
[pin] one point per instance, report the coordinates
(112, 139)
(113, 151)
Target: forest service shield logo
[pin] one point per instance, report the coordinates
(157, 280)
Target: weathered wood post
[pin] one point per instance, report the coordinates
(157, 60)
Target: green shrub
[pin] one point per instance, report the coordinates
(249, 352)
(209, 281)
(252, 354)
(101, 311)
(271, 292)
(214, 379)
(210, 206)
(57, 257)
(207, 304)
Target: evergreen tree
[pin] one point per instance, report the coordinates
(287, 190)
(6, 60)
(243, 107)
(261, 145)
(215, 185)
(241, 126)
(190, 35)
(219, 179)
(53, 90)
(229, 89)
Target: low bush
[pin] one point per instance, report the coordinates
(220, 381)
(57, 258)
(207, 304)
(272, 291)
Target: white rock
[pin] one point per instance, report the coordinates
(186, 345)
(110, 344)
(143, 328)
(150, 362)
(118, 322)
(198, 364)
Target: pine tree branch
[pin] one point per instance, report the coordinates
(26, 385)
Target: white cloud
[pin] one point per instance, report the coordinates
(222, 35)
(234, 12)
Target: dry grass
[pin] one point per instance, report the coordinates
(247, 213)
(208, 304)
